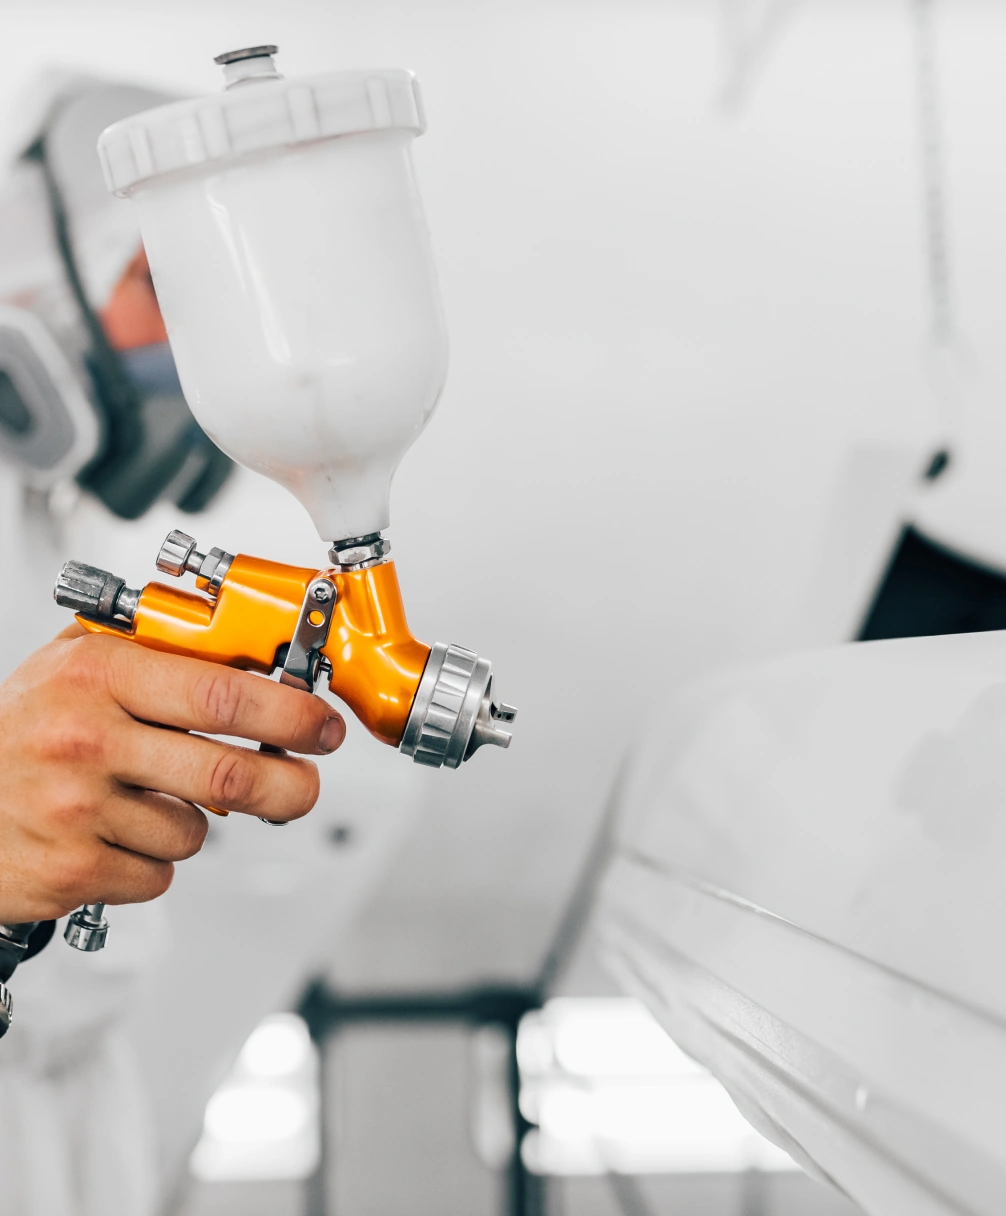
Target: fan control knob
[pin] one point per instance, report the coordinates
(177, 553)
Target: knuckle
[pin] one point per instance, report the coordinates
(77, 738)
(72, 876)
(86, 663)
(68, 806)
(232, 779)
(216, 699)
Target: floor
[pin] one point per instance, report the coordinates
(399, 1144)
(696, 1195)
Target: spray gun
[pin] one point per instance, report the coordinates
(292, 263)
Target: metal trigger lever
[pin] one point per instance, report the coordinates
(304, 662)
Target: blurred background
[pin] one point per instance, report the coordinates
(720, 280)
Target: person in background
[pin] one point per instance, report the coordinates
(97, 799)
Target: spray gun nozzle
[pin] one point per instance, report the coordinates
(453, 713)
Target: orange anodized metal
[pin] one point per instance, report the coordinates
(376, 662)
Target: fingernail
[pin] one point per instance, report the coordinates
(332, 734)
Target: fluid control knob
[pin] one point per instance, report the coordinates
(94, 592)
(178, 554)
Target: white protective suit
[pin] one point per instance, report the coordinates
(112, 1056)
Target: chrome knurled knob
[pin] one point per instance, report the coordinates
(175, 553)
(87, 589)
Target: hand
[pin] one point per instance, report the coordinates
(96, 797)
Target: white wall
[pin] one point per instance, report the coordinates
(671, 330)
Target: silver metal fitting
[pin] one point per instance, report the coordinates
(453, 713)
(94, 592)
(359, 552)
(247, 52)
(87, 928)
(251, 63)
(179, 554)
(214, 569)
(6, 1009)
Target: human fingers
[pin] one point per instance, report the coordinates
(193, 694)
(123, 877)
(203, 771)
(94, 871)
(152, 825)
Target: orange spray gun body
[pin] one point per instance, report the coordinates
(373, 661)
(345, 623)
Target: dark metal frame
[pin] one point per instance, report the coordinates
(326, 1011)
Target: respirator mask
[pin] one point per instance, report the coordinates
(75, 404)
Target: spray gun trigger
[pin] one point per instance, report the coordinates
(302, 661)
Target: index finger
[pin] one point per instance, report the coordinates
(192, 694)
